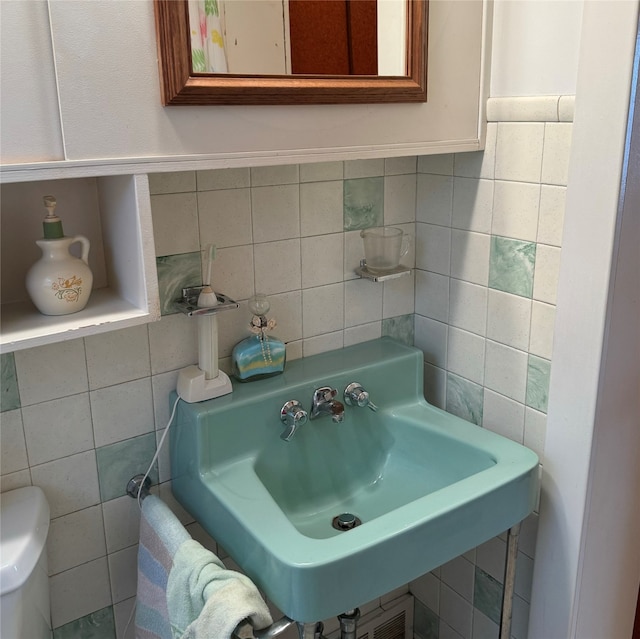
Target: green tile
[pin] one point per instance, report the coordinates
(464, 399)
(174, 273)
(97, 625)
(487, 595)
(400, 328)
(119, 462)
(10, 398)
(538, 374)
(511, 265)
(426, 624)
(363, 203)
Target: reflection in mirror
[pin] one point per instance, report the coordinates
(392, 74)
(284, 37)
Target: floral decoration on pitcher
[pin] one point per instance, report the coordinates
(68, 289)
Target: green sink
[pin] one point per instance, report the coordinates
(425, 485)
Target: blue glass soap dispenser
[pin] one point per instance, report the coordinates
(259, 355)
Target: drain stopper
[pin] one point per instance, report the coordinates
(345, 521)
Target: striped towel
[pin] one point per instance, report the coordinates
(184, 590)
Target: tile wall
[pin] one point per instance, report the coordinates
(81, 417)
(489, 231)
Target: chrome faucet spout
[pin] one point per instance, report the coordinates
(323, 403)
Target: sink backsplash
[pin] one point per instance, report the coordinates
(81, 417)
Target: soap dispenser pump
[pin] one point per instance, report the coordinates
(59, 283)
(205, 381)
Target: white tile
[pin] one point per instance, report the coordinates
(483, 627)
(398, 296)
(529, 531)
(13, 451)
(233, 326)
(175, 223)
(75, 539)
(427, 590)
(172, 182)
(519, 151)
(223, 179)
(400, 165)
(77, 592)
(321, 171)
(321, 206)
(122, 411)
(123, 573)
(11, 481)
(433, 248)
(520, 619)
(271, 175)
(286, 309)
(70, 483)
(542, 108)
(294, 350)
(322, 310)
(455, 611)
(50, 372)
(468, 306)
(275, 212)
(225, 217)
(445, 631)
(323, 343)
(491, 558)
(277, 266)
(555, 157)
(434, 200)
(435, 385)
(472, 204)
(509, 319)
(535, 431)
(432, 295)
(362, 302)
(506, 371)
(458, 574)
(399, 199)
(547, 271)
(117, 356)
(362, 333)
(470, 256)
(524, 576)
(124, 613)
(322, 259)
(232, 272)
(551, 218)
(173, 343)
(363, 168)
(440, 164)
(121, 523)
(515, 211)
(566, 108)
(465, 354)
(353, 253)
(503, 416)
(58, 428)
(431, 339)
(543, 317)
(479, 164)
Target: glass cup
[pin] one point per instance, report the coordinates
(383, 247)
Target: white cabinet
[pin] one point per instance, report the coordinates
(114, 213)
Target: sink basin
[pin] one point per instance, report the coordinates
(425, 485)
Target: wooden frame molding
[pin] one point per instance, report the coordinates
(180, 86)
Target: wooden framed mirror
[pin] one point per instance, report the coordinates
(181, 86)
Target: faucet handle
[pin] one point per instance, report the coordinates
(354, 394)
(293, 416)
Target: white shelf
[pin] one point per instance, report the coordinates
(115, 214)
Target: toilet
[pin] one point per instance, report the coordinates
(24, 582)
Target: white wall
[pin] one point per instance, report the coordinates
(535, 47)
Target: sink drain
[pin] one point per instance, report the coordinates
(345, 521)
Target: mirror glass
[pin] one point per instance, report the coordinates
(299, 37)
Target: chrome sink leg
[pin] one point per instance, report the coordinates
(509, 581)
(310, 630)
(349, 623)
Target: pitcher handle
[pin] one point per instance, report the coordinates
(86, 245)
(406, 245)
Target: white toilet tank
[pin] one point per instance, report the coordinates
(24, 582)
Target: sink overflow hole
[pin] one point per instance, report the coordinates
(345, 521)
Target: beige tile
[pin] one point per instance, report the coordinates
(509, 319)
(362, 333)
(466, 354)
(232, 272)
(13, 451)
(321, 208)
(398, 296)
(322, 310)
(236, 178)
(431, 339)
(470, 256)
(555, 158)
(432, 295)
(434, 199)
(323, 343)
(479, 164)
(551, 218)
(433, 248)
(363, 168)
(542, 325)
(322, 259)
(519, 151)
(515, 212)
(173, 343)
(399, 199)
(400, 165)
(535, 431)
(277, 266)
(175, 223)
(503, 416)
(275, 212)
(439, 164)
(363, 302)
(123, 573)
(121, 523)
(468, 306)
(472, 204)
(321, 171)
(225, 217)
(547, 271)
(272, 175)
(172, 182)
(506, 371)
